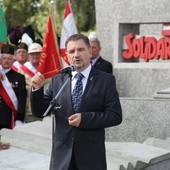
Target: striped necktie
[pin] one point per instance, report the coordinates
(77, 92)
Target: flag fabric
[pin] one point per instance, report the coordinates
(28, 69)
(16, 66)
(50, 59)
(3, 28)
(68, 29)
(166, 30)
(8, 94)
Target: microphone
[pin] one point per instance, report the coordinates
(68, 69)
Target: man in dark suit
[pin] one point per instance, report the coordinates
(12, 91)
(79, 135)
(96, 60)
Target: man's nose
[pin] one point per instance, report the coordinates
(76, 53)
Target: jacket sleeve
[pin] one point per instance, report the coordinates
(40, 101)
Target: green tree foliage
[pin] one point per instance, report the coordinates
(35, 12)
(17, 12)
(23, 13)
(84, 14)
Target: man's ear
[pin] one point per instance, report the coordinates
(90, 50)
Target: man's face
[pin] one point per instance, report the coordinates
(21, 56)
(7, 60)
(34, 58)
(95, 49)
(79, 54)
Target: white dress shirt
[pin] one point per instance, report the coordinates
(85, 73)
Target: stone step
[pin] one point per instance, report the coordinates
(34, 139)
(116, 161)
(165, 144)
(123, 161)
(21, 159)
(27, 141)
(142, 154)
(39, 128)
(113, 165)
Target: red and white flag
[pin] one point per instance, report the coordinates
(69, 28)
(50, 59)
(16, 66)
(166, 30)
(28, 69)
(9, 96)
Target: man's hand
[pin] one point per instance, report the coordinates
(18, 123)
(38, 80)
(75, 120)
(1, 76)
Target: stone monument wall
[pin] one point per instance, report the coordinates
(117, 18)
(145, 114)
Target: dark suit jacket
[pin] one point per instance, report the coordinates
(104, 65)
(18, 83)
(100, 108)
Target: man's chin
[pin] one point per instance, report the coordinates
(77, 65)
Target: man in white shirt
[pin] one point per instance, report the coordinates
(12, 91)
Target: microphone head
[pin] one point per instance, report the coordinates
(74, 68)
(68, 69)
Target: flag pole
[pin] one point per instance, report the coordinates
(53, 117)
(52, 13)
(52, 10)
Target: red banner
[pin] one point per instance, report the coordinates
(50, 59)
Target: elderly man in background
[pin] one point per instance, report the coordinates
(21, 56)
(28, 69)
(96, 60)
(12, 91)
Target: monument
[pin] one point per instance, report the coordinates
(135, 37)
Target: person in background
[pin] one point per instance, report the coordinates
(96, 60)
(79, 135)
(21, 56)
(34, 53)
(28, 69)
(12, 91)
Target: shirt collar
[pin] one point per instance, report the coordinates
(4, 71)
(85, 72)
(94, 60)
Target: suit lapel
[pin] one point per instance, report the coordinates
(98, 62)
(66, 96)
(90, 83)
(68, 90)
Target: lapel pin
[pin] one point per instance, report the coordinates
(91, 78)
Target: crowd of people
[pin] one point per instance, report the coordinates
(18, 65)
(24, 60)
(88, 104)
(12, 91)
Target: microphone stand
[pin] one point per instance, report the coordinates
(53, 117)
(58, 94)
